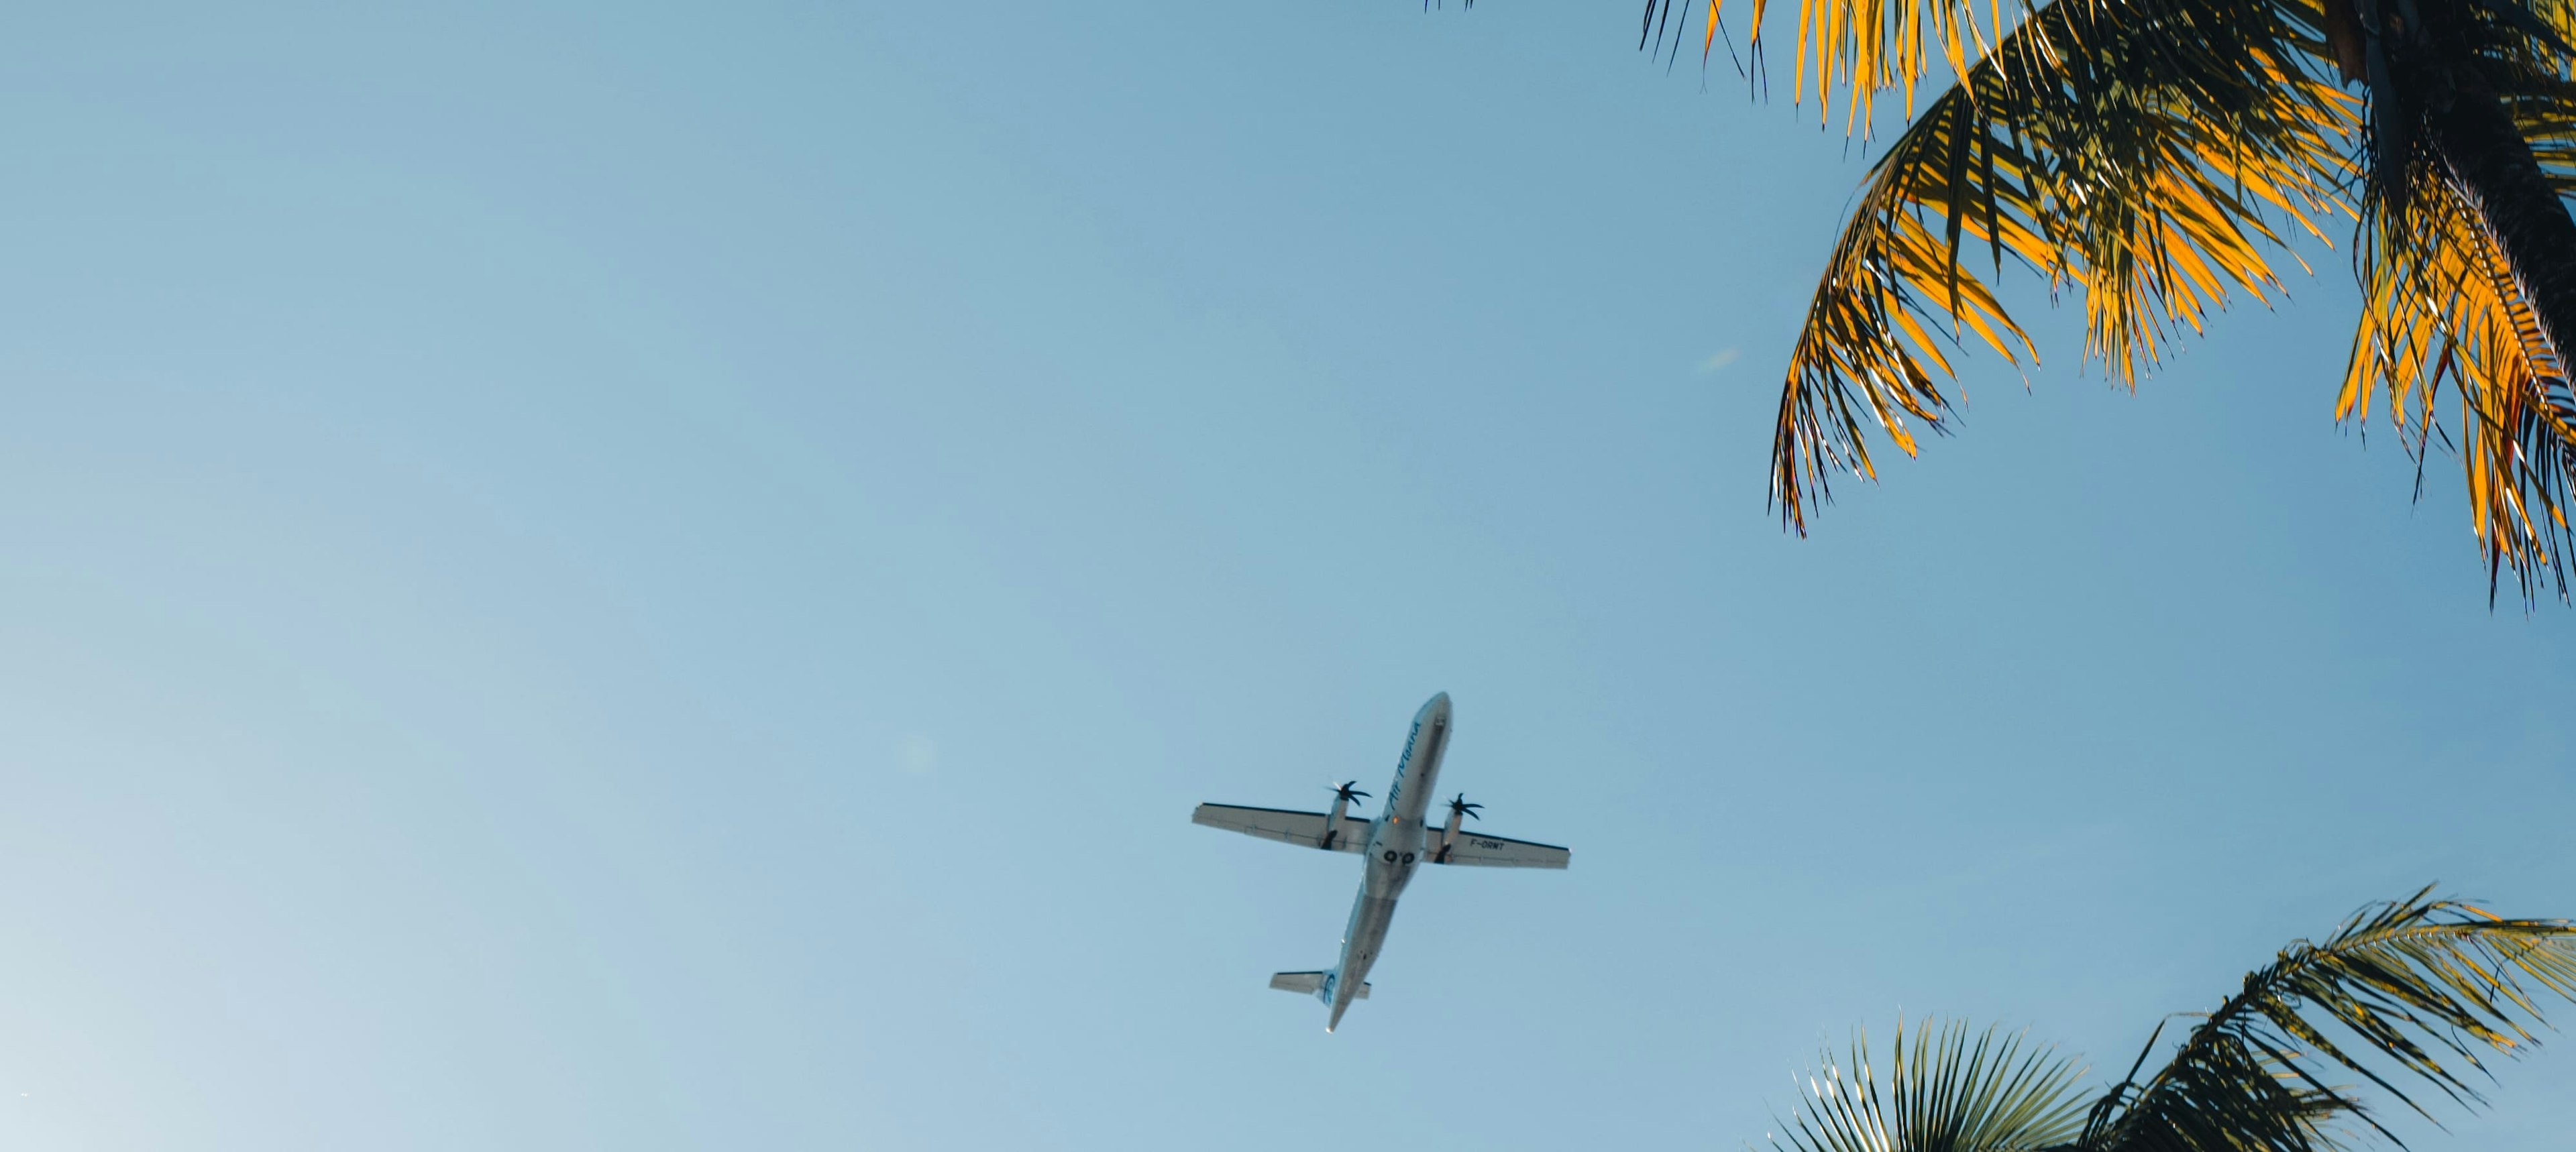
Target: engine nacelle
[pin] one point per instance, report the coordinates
(1336, 832)
(1460, 811)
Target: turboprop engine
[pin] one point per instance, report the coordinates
(1335, 831)
(1459, 810)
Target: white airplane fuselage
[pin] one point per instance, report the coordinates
(1396, 842)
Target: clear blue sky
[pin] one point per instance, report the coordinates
(649, 576)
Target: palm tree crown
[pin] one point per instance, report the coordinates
(2154, 156)
(2411, 991)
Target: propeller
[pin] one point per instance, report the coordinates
(1458, 806)
(1348, 790)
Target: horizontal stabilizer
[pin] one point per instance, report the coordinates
(1310, 829)
(1308, 983)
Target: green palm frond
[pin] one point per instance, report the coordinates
(1952, 1091)
(2413, 991)
(2416, 988)
(2138, 153)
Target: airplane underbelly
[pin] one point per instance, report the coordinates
(1393, 857)
(1369, 920)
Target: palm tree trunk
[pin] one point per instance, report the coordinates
(2489, 159)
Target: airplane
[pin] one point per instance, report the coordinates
(1394, 844)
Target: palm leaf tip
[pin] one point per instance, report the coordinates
(1950, 1090)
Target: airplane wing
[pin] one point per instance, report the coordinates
(1496, 852)
(1285, 826)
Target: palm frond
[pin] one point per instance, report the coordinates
(2137, 153)
(1861, 48)
(1952, 1091)
(2421, 987)
(2440, 303)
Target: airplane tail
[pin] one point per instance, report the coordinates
(1310, 984)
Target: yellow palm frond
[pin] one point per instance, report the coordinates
(2558, 16)
(2440, 303)
(1865, 47)
(2137, 154)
